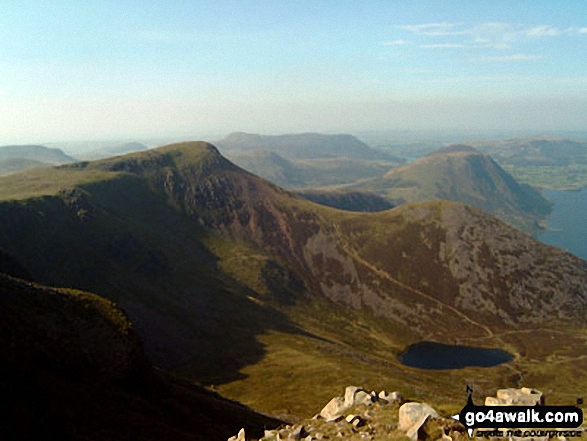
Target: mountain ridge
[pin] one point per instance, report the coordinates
(229, 278)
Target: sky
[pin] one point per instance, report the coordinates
(72, 70)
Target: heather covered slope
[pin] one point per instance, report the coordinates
(233, 281)
(462, 174)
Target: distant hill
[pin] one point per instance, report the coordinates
(38, 153)
(303, 146)
(306, 161)
(271, 166)
(232, 281)
(14, 158)
(461, 173)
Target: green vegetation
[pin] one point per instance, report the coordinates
(553, 163)
(47, 182)
(553, 177)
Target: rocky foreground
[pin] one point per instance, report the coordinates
(368, 415)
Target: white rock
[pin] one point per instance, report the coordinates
(516, 397)
(412, 416)
(362, 397)
(334, 409)
(411, 413)
(353, 394)
(239, 437)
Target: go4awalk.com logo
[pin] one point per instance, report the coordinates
(506, 420)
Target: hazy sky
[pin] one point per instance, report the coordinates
(99, 69)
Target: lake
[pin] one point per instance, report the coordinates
(432, 355)
(568, 222)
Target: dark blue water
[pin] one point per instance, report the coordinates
(568, 222)
(432, 355)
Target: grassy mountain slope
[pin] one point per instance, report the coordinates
(233, 281)
(460, 173)
(73, 368)
(12, 165)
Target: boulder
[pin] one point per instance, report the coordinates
(412, 416)
(334, 409)
(354, 395)
(362, 397)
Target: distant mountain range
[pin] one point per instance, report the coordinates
(232, 281)
(303, 146)
(306, 161)
(461, 173)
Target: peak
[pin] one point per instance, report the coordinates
(181, 154)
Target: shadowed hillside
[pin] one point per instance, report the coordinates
(348, 201)
(233, 281)
(73, 368)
